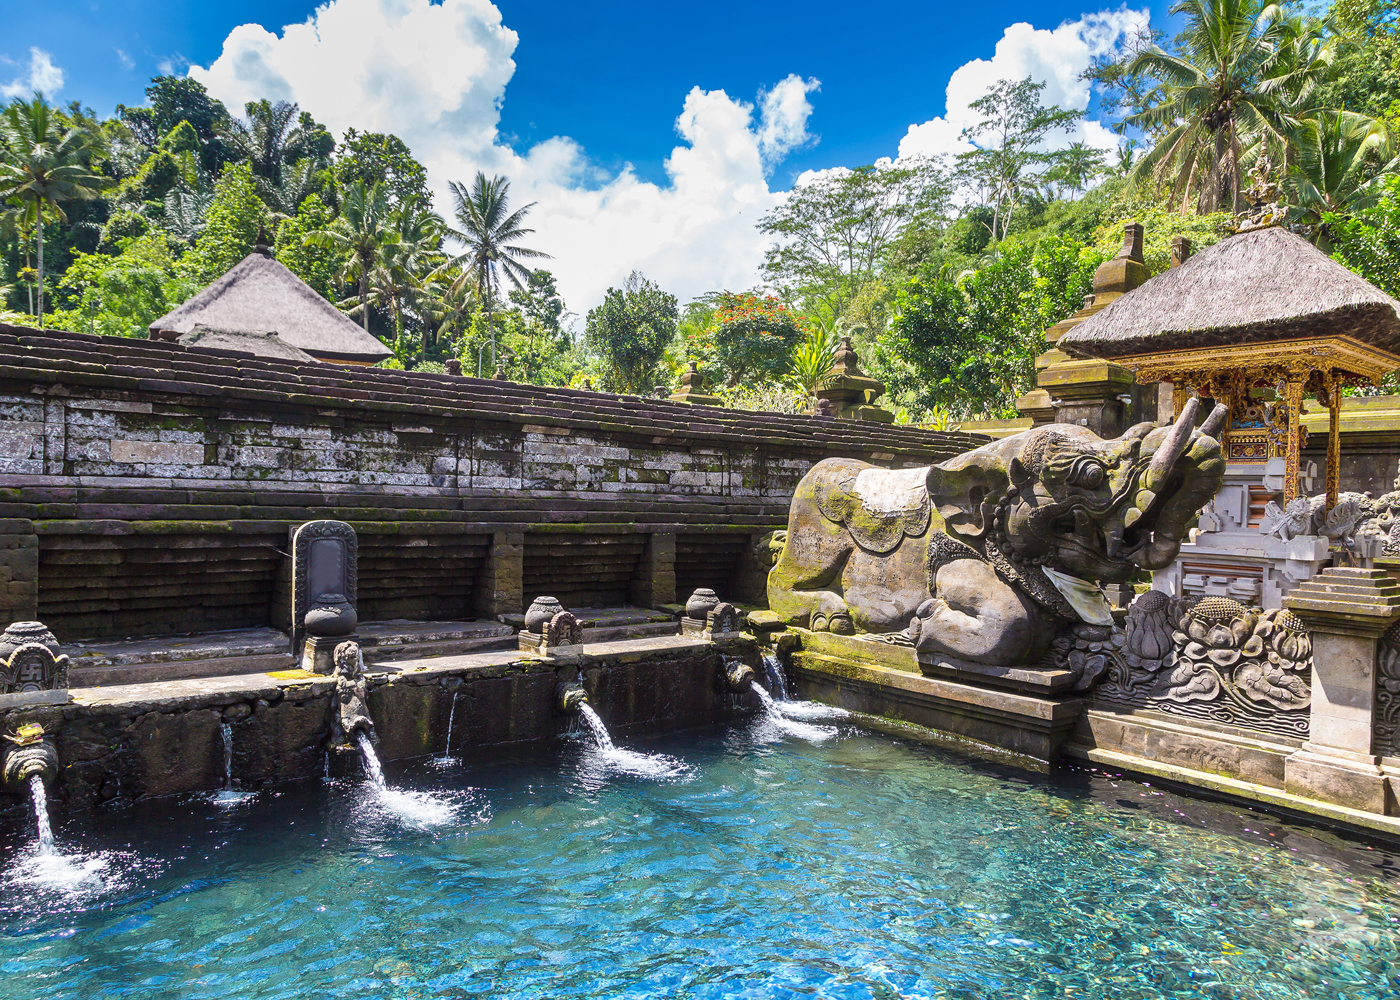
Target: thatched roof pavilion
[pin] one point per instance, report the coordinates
(258, 296)
(1263, 309)
(1255, 287)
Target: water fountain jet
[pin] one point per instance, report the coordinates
(30, 760)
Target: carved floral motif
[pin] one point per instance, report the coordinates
(1215, 660)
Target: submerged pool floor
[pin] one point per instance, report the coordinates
(753, 862)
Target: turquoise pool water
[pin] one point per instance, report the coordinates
(751, 862)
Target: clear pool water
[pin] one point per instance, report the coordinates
(757, 864)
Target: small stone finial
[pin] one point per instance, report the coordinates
(260, 245)
(660, 392)
(692, 380)
(847, 360)
(1114, 278)
(1181, 250)
(588, 385)
(1088, 301)
(500, 375)
(824, 408)
(453, 366)
(1132, 242)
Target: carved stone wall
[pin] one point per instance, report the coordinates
(1212, 659)
(156, 486)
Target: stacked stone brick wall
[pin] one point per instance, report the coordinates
(151, 487)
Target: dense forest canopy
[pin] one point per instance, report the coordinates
(945, 273)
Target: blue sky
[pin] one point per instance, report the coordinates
(563, 96)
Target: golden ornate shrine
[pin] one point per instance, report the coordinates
(1261, 312)
(1260, 429)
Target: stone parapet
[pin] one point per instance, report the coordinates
(1346, 610)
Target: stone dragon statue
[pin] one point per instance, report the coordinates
(985, 558)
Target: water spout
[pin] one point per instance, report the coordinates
(738, 675)
(570, 697)
(40, 796)
(615, 758)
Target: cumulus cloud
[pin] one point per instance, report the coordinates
(42, 75)
(435, 75)
(1055, 56)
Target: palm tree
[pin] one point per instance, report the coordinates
(488, 229)
(1244, 69)
(1341, 157)
(408, 259)
(43, 164)
(1078, 165)
(365, 234)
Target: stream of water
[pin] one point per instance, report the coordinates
(229, 796)
(418, 809)
(607, 756)
(446, 759)
(40, 796)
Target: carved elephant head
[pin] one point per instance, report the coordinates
(1061, 497)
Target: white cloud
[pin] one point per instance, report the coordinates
(1056, 57)
(126, 60)
(42, 75)
(435, 75)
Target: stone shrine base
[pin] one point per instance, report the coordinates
(1220, 761)
(1003, 711)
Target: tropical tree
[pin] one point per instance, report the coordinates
(1077, 166)
(832, 234)
(630, 331)
(1340, 158)
(1008, 138)
(488, 231)
(277, 135)
(365, 236)
(1244, 72)
(813, 360)
(42, 165)
(754, 337)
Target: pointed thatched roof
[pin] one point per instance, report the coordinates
(1254, 287)
(258, 296)
(261, 345)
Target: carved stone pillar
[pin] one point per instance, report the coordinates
(1346, 611)
(654, 582)
(500, 588)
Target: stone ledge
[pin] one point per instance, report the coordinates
(1244, 792)
(1023, 724)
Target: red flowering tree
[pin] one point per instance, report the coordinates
(753, 337)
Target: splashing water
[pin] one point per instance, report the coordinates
(615, 758)
(773, 670)
(775, 717)
(40, 795)
(229, 796)
(446, 759)
(45, 867)
(417, 809)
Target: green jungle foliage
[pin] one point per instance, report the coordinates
(944, 274)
